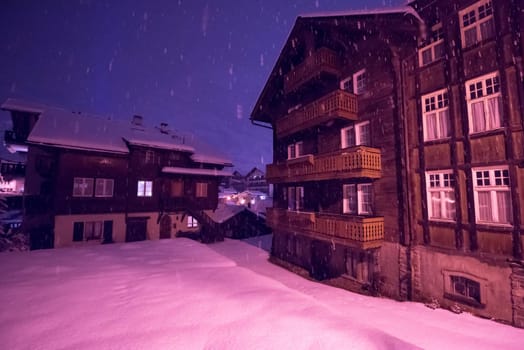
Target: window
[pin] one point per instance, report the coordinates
(295, 198)
(358, 265)
(354, 135)
(465, 287)
(201, 189)
(82, 187)
(492, 195)
(295, 150)
(89, 230)
(356, 83)
(104, 187)
(441, 195)
(435, 115)
(434, 50)
(477, 23)
(177, 188)
(144, 188)
(358, 199)
(150, 157)
(191, 222)
(484, 103)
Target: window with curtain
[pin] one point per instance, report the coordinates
(441, 195)
(358, 199)
(484, 103)
(355, 135)
(433, 48)
(477, 23)
(435, 115)
(492, 195)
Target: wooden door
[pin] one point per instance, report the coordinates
(136, 229)
(165, 227)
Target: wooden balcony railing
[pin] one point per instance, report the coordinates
(323, 60)
(337, 104)
(359, 161)
(363, 232)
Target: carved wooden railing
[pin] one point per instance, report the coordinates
(336, 104)
(321, 60)
(365, 232)
(359, 161)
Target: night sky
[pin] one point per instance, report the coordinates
(197, 65)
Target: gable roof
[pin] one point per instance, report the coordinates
(255, 170)
(272, 89)
(58, 127)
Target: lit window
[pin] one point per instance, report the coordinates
(295, 198)
(191, 222)
(434, 50)
(484, 103)
(201, 189)
(83, 187)
(104, 187)
(492, 195)
(441, 195)
(354, 135)
(144, 188)
(435, 113)
(88, 230)
(295, 150)
(358, 199)
(477, 23)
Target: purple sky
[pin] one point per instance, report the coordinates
(197, 65)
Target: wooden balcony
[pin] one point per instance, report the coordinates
(359, 161)
(322, 61)
(337, 104)
(361, 232)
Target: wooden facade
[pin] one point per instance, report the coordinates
(81, 192)
(440, 89)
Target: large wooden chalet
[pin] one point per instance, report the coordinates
(93, 180)
(397, 160)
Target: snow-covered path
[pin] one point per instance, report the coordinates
(179, 294)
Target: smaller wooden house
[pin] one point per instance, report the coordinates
(96, 180)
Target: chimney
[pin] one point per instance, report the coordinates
(163, 128)
(137, 120)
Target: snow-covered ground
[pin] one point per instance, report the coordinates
(179, 294)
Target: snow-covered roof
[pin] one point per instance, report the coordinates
(155, 139)
(366, 12)
(196, 171)
(15, 104)
(224, 212)
(59, 127)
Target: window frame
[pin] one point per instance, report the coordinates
(436, 102)
(356, 206)
(483, 95)
(201, 189)
(442, 190)
(476, 22)
(192, 222)
(145, 193)
(84, 186)
(295, 198)
(492, 188)
(437, 39)
(356, 83)
(105, 193)
(357, 133)
(297, 148)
